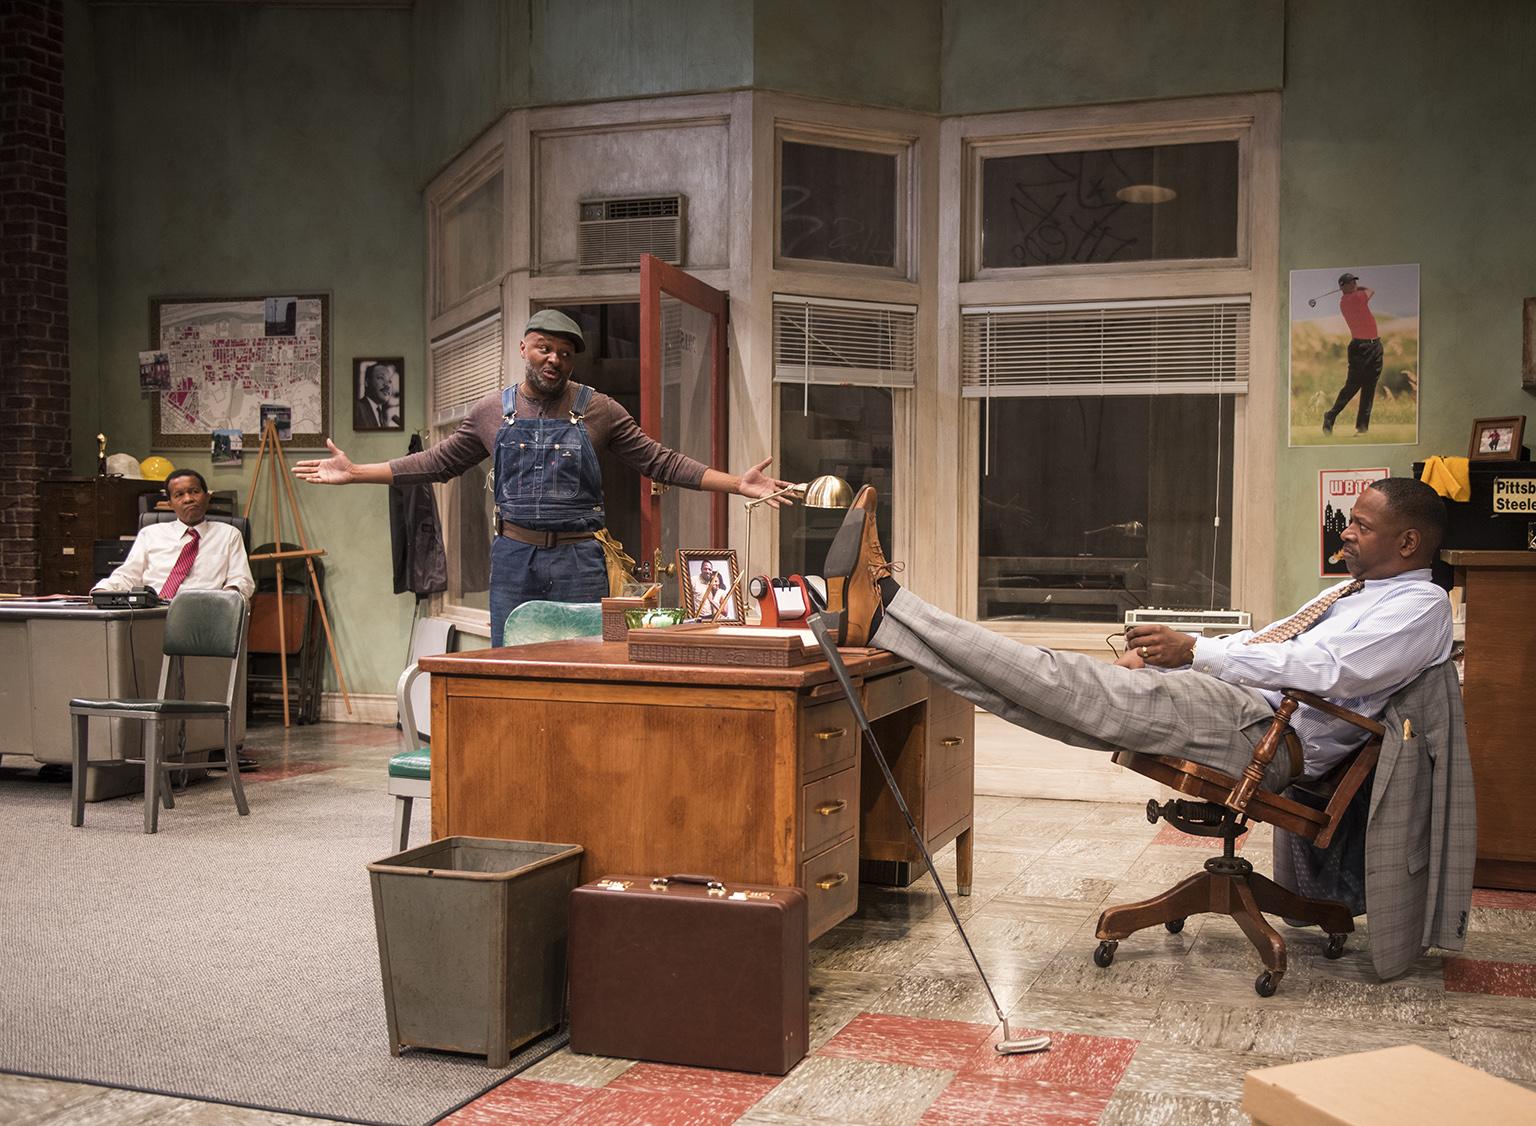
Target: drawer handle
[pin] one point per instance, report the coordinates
(67, 515)
(952, 741)
(828, 808)
(827, 883)
(831, 733)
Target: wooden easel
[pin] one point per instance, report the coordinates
(279, 472)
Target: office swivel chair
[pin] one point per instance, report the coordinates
(200, 623)
(1222, 807)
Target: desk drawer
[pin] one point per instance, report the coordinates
(886, 694)
(828, 810)
(828, 737)
(830, 881)
(951, 743)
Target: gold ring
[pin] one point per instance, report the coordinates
(1143, 652)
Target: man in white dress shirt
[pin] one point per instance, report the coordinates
(199, 554)
(1355, 644)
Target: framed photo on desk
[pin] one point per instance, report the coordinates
(709, 586)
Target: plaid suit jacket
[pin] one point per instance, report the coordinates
(1419, 837)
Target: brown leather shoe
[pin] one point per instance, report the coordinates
(855, 565)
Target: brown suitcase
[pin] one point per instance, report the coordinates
(687, 970)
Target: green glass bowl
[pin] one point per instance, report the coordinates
(642, 618)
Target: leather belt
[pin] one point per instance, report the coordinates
(542, 539)
(1293, 747)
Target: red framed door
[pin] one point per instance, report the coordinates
(684, 365)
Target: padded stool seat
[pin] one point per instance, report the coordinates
(146, 707)
(412, 764)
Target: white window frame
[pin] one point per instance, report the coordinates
(1254, 122)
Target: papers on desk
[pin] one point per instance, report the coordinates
(806, 637)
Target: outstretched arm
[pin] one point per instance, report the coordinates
(752, 484)
(339, 469)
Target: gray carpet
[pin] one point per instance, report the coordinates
(225, 958)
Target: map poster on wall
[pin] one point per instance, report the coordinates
(231, 355)
(1337, 490)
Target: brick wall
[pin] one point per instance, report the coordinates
(34, 304)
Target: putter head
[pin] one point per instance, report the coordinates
(1009, 1046)
(1312, 302)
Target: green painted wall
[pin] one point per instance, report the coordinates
(1408, 137)
(243, 149)
(1031, 54)
(876, 52)
(600, 49)
(471, 60)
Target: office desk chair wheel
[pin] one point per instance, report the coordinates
(1267, 982)
(1335, 948)
(1174, 926)
(1105, 954)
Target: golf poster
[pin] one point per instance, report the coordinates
(1336, 493)
(1355, 356)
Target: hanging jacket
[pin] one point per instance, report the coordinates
(415, 539)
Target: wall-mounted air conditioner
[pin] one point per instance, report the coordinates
(611, 234)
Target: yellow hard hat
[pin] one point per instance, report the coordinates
(155, 468)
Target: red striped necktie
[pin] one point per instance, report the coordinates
(183, 566)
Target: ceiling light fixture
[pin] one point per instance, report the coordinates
(1146, 193)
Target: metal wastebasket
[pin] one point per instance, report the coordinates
(472, 942)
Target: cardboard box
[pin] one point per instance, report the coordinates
(1404, 1086)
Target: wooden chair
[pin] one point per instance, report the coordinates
(1223, 807)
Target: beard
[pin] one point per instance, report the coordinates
(544, 385)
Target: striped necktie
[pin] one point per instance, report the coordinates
(183, 566)
(1305, 618)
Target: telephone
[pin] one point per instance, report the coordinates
(788, 602)
(139, 598)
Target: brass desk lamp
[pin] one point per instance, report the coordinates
(826, 491)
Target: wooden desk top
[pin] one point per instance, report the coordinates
(594, 659)
(1462, 558)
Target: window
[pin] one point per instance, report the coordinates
(1107, 359)
(1133, 204)
(844, 370)
(842, 202)
(466, 365)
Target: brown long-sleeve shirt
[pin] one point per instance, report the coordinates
(608, 424)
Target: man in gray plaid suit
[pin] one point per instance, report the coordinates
(1210, 700)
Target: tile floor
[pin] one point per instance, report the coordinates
(901, 1030)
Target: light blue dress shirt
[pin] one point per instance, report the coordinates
(1367, 646)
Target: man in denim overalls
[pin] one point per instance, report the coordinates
(544, 435)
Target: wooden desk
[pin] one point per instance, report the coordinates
(1500, 590)
(750, 775)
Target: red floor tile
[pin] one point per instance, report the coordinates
(696, 1082)
(1502, 979)
(983, 1101)
(1512, 900)
(612, 1107)
(883, 1038)
(1073, 1062)
(521, 1102)
(1168, 835)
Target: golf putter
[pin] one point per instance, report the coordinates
(1007, 1046)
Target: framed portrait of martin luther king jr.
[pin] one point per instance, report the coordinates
(378, 386)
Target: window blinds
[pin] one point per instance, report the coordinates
(466, 364)
(1195, 346)
(860, 343)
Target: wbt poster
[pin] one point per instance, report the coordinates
(1336, 493)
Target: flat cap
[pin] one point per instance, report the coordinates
(556, 323)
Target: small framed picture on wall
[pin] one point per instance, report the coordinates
(378, 386)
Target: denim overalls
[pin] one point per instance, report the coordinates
(547, 479)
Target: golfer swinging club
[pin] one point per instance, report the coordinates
(1364, 354)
